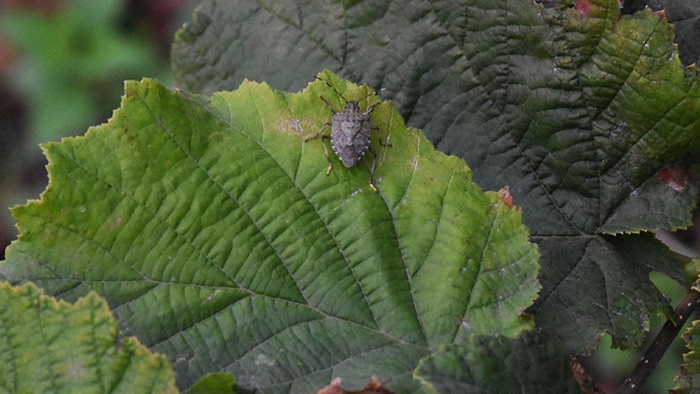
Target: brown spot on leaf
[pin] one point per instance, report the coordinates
(675, 176)
(660, 13)
(506, 197)
(292, 127)
(373, 387)
(333, 388)
(583, 7)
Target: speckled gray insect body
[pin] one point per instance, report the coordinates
(350, 135)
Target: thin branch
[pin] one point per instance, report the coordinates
(663, 340)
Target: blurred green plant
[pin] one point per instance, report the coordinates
(73, 63)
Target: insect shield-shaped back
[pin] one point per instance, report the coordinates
(350, 133)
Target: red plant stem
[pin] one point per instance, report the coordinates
(663, 340)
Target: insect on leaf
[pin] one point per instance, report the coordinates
(578, 109)
(213, 231)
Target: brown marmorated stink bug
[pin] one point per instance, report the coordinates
(350, 134)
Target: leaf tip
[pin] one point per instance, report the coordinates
(661, 14)
(506, 197)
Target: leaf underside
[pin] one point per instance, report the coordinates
(211, 228)
(587, 116)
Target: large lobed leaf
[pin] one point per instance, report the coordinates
(213, 231)
(589, 117)
(52, 346)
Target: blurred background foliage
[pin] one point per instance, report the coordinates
(69, 61)
(62, 68)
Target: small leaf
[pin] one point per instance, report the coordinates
(213, 231)
(531, 363)
(214, 383)
(687, 378)
(52, 346)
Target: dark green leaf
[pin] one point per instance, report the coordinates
(531, 363)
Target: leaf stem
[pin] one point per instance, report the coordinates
(661, 343)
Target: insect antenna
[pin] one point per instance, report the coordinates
(339, 94)
(334, 89)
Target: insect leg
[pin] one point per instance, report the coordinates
(381, 142)
(335, 90)
(316, 134)
(371, 171)
(325, 150)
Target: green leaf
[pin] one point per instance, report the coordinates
(687, 378)
(52, 346)
(589, 117)
(531, 363)
(214, 383)
(213, 231)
